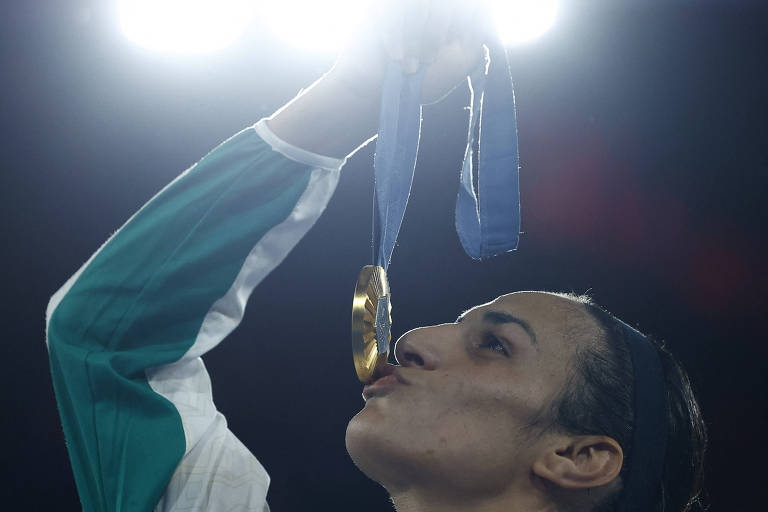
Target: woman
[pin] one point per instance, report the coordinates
(530, 402)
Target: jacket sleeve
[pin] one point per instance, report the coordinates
(126, 332)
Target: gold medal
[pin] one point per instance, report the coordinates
(371, 321)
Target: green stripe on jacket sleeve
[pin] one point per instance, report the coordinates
(139, 303)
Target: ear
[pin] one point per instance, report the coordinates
(579, 462)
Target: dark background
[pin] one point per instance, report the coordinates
(644, 164)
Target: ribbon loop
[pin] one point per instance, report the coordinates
(487, 220)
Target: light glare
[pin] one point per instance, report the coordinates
(185, 26)
(326, 26)
(313, 25)
(521, 21)
(191, 26)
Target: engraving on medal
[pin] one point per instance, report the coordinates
(382, 325)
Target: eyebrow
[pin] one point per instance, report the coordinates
(502, 317)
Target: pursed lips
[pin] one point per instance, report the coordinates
(384, 384)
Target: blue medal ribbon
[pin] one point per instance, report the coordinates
(396, 148)
(487, 220)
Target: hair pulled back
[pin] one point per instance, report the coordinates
(598, 400)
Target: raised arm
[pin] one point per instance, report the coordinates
(126, 332)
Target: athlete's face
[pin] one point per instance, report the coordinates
(456, 413)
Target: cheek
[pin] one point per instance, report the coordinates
(456, 429)
(477, 446)
(479, 423)
(456, 407)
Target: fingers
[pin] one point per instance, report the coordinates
(390, 17)
(437, 26)
(463, 14)
(416, 32)
(414, 26)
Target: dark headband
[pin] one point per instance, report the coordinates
(649, 437)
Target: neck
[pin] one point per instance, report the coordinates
(421, 500)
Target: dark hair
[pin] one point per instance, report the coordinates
(598, 400)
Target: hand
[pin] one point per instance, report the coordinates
(444, 35)
(340, 111)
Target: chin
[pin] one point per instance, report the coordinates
(375, 449)
(364, 433)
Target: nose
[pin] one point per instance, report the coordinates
(419, 347)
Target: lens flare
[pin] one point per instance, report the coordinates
(193, 26)
(522, 21)
(326, 26)
(184, 26)
(313, 25)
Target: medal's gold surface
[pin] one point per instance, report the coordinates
(371, 320)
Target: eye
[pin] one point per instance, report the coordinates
(493, 343)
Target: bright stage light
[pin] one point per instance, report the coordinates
(314, 25)
(190, 26)
(521, 21)
(184, 26)
(325, 25)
